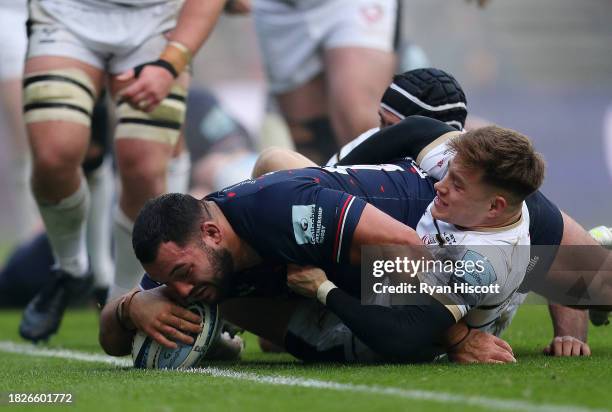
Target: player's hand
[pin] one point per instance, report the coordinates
(148, 90)
(238, 6)
(162, 319)
(481, 3)
(567, 346)
(305, 280)
(481, 347)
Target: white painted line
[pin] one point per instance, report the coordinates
(420, 395)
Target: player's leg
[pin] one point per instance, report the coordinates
(59, 95)
(356, 79)
(289, 39)
(13, 16)
(359, 63)
(144, 146)
(276, 158)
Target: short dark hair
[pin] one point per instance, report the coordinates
(172, 217)
(506, 157)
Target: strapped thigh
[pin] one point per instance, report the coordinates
(161, 125)
(65, 95)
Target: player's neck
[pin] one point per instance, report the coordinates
(503, 222)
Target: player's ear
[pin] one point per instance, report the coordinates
(498, 205)
(210, 232)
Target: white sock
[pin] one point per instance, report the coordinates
(179, 169)
(65, 223)
(101, 186)
(25, 213)
(128, 270)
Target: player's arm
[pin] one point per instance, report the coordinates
(149, 311)
(408, 138)
(413, 333)
(570, 329)
(378, 228)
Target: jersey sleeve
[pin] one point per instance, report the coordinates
(412, 137)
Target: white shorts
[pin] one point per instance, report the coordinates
(294, 33)
(314, 328)
(13, 16)
(112, 38)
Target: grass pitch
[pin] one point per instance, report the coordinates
(271, 382)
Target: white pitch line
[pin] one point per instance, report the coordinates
(421, 395)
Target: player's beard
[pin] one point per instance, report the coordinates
(222, 267)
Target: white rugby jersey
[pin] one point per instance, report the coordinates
(503, 256)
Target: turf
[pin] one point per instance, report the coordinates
(535, 379)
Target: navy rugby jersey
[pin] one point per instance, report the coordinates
(308, 216)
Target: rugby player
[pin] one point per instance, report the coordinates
(230, 232)
(142, 48)
(436, 94)
(311, 50)
(13, 17)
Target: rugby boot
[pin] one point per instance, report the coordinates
(43, 315)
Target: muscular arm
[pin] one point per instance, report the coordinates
(406, 333)
(377, 228)
(196, 21)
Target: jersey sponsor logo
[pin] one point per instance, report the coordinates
(307, 224)
(481, 272)
(432, 238)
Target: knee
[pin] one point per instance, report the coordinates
(140, 174)
(272, 159)
(56, 160)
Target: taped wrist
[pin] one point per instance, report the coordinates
(177, 54)
(159, 63)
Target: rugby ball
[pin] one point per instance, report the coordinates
(148, 354)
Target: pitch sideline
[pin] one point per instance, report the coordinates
(420, 395)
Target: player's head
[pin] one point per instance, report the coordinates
(493, 171)
(425, 92)
(180, 243)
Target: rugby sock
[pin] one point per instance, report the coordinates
(128, 269)
(99, 224)
(25, 212)
(179, 169)
(66, 222)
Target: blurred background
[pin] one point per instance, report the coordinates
(543, 68)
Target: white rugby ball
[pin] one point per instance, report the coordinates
(148, 354)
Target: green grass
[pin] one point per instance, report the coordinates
(535, 379)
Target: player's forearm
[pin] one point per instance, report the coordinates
(408, 333)
(195, 22)
(407, 138)
(114, 339)
(569, 321)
